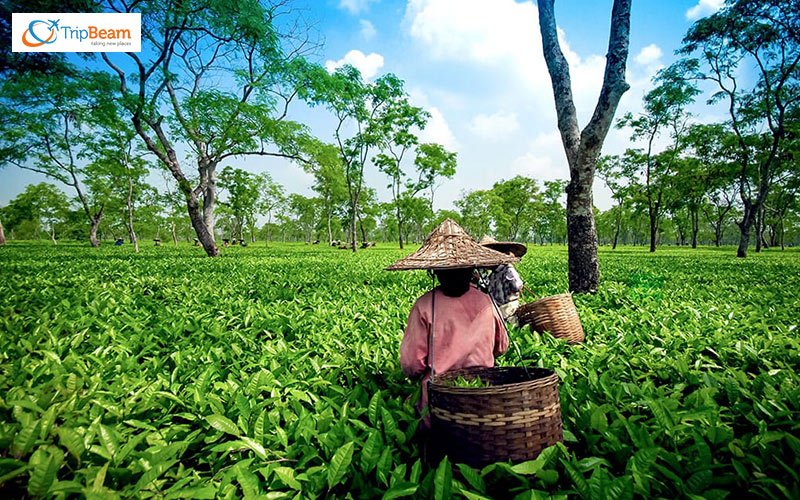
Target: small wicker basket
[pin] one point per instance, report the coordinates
(515, 418)
(555, 314)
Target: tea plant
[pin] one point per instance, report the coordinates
(273, 372)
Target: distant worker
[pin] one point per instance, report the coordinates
(119, 242)
(504, 283)
(455, 325)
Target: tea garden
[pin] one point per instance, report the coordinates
(273, 373)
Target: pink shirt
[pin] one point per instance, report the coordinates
(469, 333)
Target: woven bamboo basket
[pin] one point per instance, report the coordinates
(555, 314)
(515, 418)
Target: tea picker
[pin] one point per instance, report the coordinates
(455, 331)
(504, 284)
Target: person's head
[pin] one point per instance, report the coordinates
(454, 282)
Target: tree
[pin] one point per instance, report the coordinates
(782, 198)
(40, 206)
(368, 211)
(271, 196)
(117, 151)
(433, 161)
(763, 35)
(305, 212)
(583, 148)
(219, 77)
(244, 190)
(395, 146)
(326, 166)
(171, 204)
(475, 216)
(513, 206)
(47, 128)
(664, 107)
(372, 110)
(610, 171)
(551, 212)
(705, 175)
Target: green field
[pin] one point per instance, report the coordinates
(274, 373)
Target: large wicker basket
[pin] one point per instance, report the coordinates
(515, 418)
(555, 314)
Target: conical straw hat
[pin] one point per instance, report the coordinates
(504, 246)
(450, 247)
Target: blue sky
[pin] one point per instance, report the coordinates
(477, 67)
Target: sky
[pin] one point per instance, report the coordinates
(477, 67)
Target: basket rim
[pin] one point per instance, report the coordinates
(545, 376)
(547, 298)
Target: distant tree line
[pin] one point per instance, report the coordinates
(218, 82)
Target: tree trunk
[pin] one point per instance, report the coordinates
(400, 229)
(783, 230)
(353, 230)
(53, 234)
(695, 227)
(757, 224)
(583, 148)
(131, 232)
(744, 229)
(199, 225)
(93, 232)
(584, 269)
(2, 234)
(330, 233)
(616, 231)
(653, 232)
(210, 198)
(718, 234)
(174, 234)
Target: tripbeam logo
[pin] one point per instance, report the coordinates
(31, 32)
(76, 32)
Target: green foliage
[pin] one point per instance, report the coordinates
(175, 376)
(462, 382)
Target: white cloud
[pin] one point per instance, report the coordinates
(704, 8)
(368, 30)
(437, 130)
(505, 40)
(503, 43)
(355, 6)
(649, 55)
(368, 65)
(649, 58)
(494, 127)
(545, 159)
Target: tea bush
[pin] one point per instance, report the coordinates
(273, 373)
